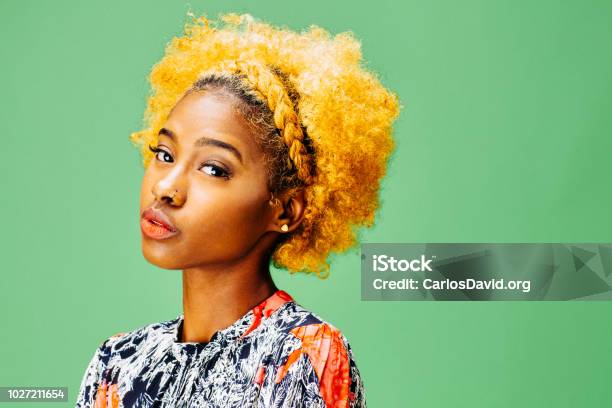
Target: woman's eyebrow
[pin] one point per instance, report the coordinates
(205, 141)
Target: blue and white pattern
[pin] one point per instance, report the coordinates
(239, 367)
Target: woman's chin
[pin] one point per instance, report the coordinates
(160, 257)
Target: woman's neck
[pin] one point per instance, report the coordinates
(214, 298)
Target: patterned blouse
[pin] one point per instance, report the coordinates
(277, 355)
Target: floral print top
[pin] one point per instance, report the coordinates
(277, 355)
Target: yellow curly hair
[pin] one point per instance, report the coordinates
(333, 115)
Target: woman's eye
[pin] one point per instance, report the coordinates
(161, 154)
(164, 156)
(215, 171)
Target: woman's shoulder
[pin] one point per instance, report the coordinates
(301, 323)
(114, 351)
(150, 333)
(315, 348)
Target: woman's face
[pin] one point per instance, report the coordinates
(210, 162)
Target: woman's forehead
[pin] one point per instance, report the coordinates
(210, 114)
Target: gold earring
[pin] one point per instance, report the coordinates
(284, 228)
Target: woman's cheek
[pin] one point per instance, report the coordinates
(236, 223)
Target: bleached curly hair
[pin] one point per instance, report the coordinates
(323, 121)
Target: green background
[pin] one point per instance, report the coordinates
(505, 136)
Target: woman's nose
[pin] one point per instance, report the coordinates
(170, 189)
(174, 197)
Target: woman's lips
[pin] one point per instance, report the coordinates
(155, 224)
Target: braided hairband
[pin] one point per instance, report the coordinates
(270, 89)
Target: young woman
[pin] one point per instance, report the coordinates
(262, 146)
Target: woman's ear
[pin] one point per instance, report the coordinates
(289, 211)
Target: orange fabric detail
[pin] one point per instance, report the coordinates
(329, 358)
(257, 311)
(260, 375)
(267, 307)
(102, 396)
(295, 354)
(114, 396)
